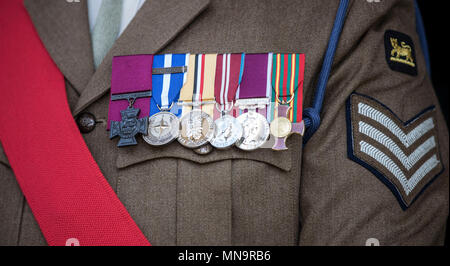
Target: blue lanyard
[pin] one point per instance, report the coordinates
(312, 114)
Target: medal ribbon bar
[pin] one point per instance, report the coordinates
(255, 87)
(130, 74)
(253, 91)
(229, 70)
(131, 85)
(199, 86)
(163, 124)
(167, 86)
(287, 84)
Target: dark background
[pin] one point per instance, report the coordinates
(435, 18)
(436, 22)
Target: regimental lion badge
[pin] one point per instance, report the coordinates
(403, 155)
(400, 53)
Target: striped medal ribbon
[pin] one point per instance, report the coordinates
(197, 101)
(168, 77)
(229, 70)
(287, 84)
(198, 91)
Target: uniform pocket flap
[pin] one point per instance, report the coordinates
(128, 156)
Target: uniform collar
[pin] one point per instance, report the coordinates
(64, 29)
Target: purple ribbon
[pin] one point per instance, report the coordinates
(130, 74)
(254, 79)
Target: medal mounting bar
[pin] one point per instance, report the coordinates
(131, 95)
(196, 104)
(169, 70)
(252, 103)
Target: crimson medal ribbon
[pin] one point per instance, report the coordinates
(229, 70)
(64, 187)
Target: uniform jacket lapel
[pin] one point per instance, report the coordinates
(153, 27)
(64, 30)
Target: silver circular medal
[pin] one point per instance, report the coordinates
(256, 131)
(196, 129)
(228, 131)
(163, 128)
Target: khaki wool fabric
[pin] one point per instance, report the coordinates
(311, 195)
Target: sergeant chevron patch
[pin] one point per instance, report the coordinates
(403, 155)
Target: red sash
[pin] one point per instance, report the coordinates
(67, 193)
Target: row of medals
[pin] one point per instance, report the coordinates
(249, 131)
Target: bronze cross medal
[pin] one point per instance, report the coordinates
(281, 128)
(130, 125)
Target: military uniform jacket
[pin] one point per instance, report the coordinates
(315, 194)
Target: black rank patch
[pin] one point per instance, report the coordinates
(400, 52)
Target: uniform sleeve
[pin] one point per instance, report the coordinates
(11, 204)
(18, 226)
(376, 171)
